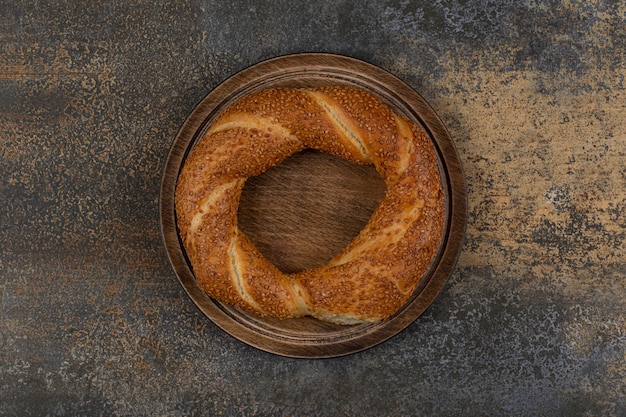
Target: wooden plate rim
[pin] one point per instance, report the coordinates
(342, 340)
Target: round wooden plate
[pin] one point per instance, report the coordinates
(307, 337)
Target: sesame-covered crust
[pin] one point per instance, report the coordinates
(378, 271)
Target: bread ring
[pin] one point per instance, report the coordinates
(378, 271)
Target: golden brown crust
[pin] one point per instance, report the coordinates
(372, 277)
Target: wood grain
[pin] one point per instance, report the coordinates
(307, 209)
(304, 211)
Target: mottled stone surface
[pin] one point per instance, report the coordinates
(92, 320)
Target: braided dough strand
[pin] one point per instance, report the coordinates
(378, 271)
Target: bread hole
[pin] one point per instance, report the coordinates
(303, 212)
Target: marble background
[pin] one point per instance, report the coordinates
(92, 319)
